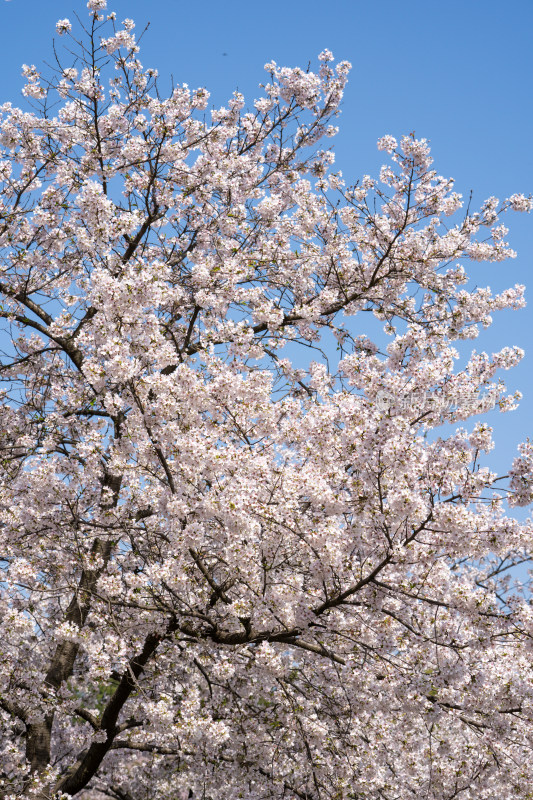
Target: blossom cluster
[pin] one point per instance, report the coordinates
(230, 566)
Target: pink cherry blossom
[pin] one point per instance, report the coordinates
(63, 26)
(238, 563)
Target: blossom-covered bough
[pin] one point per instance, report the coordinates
(229, 571)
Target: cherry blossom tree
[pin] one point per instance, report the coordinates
(236, 561)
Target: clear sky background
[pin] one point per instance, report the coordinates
(458, 72)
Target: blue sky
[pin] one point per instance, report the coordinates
(457, 72)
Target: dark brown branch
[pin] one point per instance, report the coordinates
(89, 762)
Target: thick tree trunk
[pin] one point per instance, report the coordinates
(39, 734)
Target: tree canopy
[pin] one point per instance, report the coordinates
(248, 551)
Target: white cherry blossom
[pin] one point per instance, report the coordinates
(235, 562)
